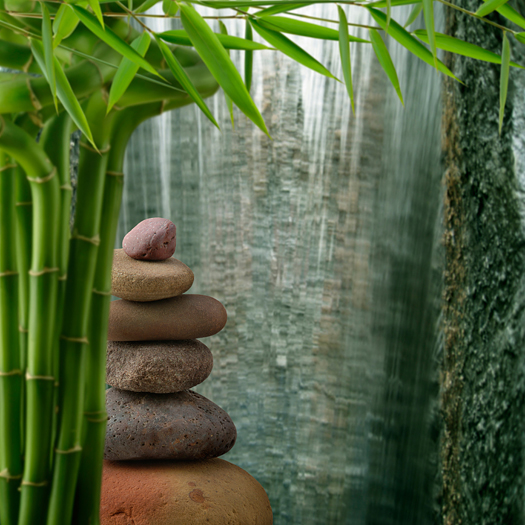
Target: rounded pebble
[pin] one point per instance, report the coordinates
(212, 492)
(181, 426)
(151, 240)
(160, 367)
(148, 281)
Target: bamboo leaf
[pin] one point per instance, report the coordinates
(276, 9)
(112, 40)
(394, 3)
(248, 57)
(388, 12)
(408, 41)
(384, 59)
(511, 14)
(170, 8)
(148, 4)
(428, 13)
(64, 91)
(183, 79)
(64, 24)
(344, 50)
(219, 63)
(291, 49)
(229, 102)
(520, 37)
(180, 37)
(298, 27)
(414, 14)
(504, 78)
(47, 41)
(460, 47)
(98, 12)
(127, 70)
(489, 6)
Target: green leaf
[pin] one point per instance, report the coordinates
(428, 13)
(520, 37)
(229, 102)
(112, 40)
(98, 12)
(388, 12)
(183, 79)
(219, 63)
(47, 41)
(65, 93)
(298, 27)
(180, 37)
(394, 3)
(414, 14)
(148, 4)
(489, 6)
(248, 57)
(504, 78)
(291, 49)
(344, 50)
(408, 41)
(276, 9)
(384, 59)
(511, 14)
(460, 47)
(127, 70)
(170, 7)
(64, 24)
(227, 4)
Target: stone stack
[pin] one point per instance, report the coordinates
(156, 424)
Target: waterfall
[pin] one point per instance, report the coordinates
(324, 246)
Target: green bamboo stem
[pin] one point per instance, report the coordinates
(74, 340)
(41, 343)
(10, 366)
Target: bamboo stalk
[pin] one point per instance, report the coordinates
(10, 366)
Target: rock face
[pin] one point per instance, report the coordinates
(212, 492)
(151, 240)
(183, 317)
(148, 281)
(160, 367)
(181, 426)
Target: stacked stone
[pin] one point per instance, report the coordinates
(154, 358)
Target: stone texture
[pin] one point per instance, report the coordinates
(160, 367)
(181, 426)
(183, 317)
(148, 281)
(152, 240)
(212, 492)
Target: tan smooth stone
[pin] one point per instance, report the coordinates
(184, 317)
(211, 492)
(137, 280)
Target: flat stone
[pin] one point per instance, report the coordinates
(148, 281)
(181, 426)
(184, 317)
(151, 240)
(161, 367)
(212, 492)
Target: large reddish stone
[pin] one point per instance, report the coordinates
(152, 239)
(182, 426)
(148, 281)
(212, 492)
(183, 317)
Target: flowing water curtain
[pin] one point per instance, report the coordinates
(321, 246)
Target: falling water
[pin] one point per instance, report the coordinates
(323, 244)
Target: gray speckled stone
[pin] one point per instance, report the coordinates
(160, 367)
(181, 426)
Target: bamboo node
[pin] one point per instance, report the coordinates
(34, 484)
(6, 475)
(8, 167)
(101, 293)
(115, 173)
(62, 277)
(15, 372)
(22, 329)
(29, 377)
(8, 273)
(43, 180)
(66, 187)
(93, 240)
(77, 448)
(43, 271)
(89, 148)
(75, 339)
(26, 203)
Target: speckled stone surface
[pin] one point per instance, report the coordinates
(181, 426)
(212, 492)
(160, 367)
(152, 240)
(184, 317)
(148, 281)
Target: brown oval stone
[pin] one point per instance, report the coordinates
(181, 426)
(152, 240)
(184, 317)
(161, 367)
(148, 281)
(212, 492)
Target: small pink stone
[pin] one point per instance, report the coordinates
(151, 240)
